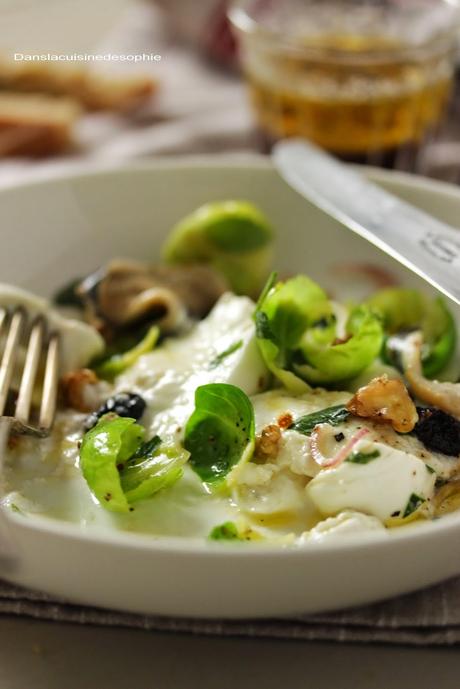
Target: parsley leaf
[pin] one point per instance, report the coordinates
(263, 328)
(362, 457)
(333, 415)
(225, 532)
(223, 355)
(413, 504)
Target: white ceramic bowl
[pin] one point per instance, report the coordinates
(57, 229)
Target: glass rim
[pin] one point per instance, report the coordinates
(441, 42)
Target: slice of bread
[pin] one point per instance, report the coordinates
(93, 90)
(36, 125)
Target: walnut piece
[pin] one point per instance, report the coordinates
(268, 442)
(385, 400)
(77, 389)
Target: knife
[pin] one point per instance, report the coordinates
(428, 247)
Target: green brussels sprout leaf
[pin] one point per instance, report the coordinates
(220, 433)
(120, 468)
(234, 237)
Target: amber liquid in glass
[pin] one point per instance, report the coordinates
(373, 111)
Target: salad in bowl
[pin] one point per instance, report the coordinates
(206, 396)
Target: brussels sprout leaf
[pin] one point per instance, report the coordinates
(220, 433)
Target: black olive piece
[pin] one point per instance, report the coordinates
(127, 404)
(438, 431)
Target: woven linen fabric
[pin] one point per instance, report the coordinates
(428, 617)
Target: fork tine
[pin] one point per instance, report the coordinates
(50, 383)
(9, 354)
(30, 370)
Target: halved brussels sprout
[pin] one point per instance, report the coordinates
(232, 236)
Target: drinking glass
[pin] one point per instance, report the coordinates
(369, 81)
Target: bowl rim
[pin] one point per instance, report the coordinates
(244, 161)
(189, 546)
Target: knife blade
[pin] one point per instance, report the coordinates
(427, 246)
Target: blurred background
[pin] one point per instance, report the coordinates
(98, 82)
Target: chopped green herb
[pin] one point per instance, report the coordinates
(221, 432)
(440, 482)
(271, 282)
(225, 532)
(414, 503)
(362, 457)
(223, 355)
(332, 415)
(429, 469)
(112, 366)
(263, 329)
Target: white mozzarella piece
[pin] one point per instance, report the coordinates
(345, 524)
(381, 487)
(168, 377)
(295, 453)
(80, 342)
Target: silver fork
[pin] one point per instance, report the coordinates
(41, 345)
